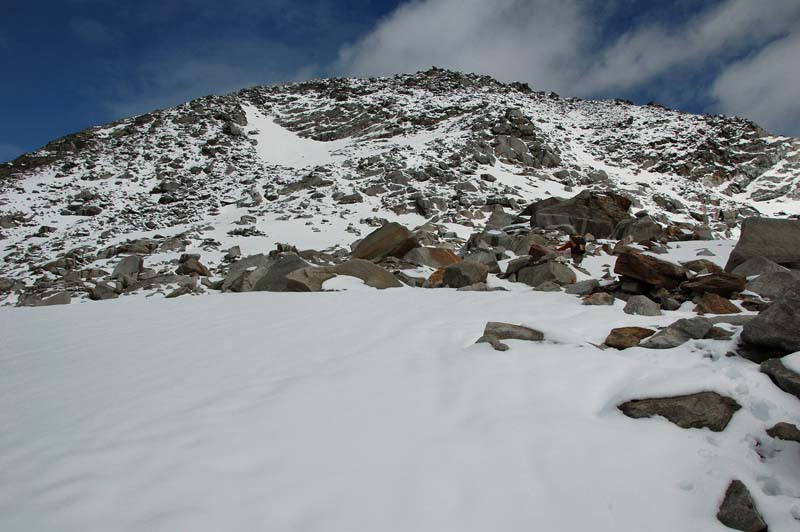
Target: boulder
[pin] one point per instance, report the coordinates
(496, 344)
(698, 410)
(102, 291)
(783, 377)
(711, 303)
(656, 272)
(131, 265)
(484, 257)
(537, 274)
(189, 264)
(625, 337)
(738, 510)
(272, 278)
(638, 229)
(582, 288)
(642, 306)
(433, 257)
(540, 252)
(59, 298)
(722, 283)
(678, 333)
(702, 266)
(389, 240)
(772, 285)
(758, 266)
(587, 212)
(311, 279)
(599, 299)
(773, 239)
(785, 431)
(778, 327)
(548, 286)
(507, 331)
(464, 274)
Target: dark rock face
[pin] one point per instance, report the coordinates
(464, 274)
(625, 337)
(656, 272)
(738, 511)
(784, 378)
(778, 327)
(583, 288)
(588, 212)
(769, 238)
(722, 283)
(391, 239)
(700, 410)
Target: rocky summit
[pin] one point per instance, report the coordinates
(320, 164)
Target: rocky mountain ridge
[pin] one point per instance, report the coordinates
(321, 163)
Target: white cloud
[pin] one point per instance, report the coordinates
(765, 86)
(529, 40)
(713, 36)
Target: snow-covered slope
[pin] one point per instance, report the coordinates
(317, 163)
(370, 411)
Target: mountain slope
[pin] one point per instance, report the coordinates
(316, 163)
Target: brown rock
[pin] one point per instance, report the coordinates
(721, 283)
(433, 257)
(538, 251)
(711, 303)
(650, 270)
(702, 265)
(785, 431)
(625, 337)
(391, 239)
(599, 298)
(311, 279)
(190, 264)
(699, 410)
(436, 279)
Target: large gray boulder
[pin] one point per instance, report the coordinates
(130, 265)
(738, 510)
(638, 229)
(583, 288)
(538, 274)
(311, 279)
(642, 306)
(391, 239)
(778, 327)
(272, 278)
(758, 266)
(773, 285)
(699, 410)
(465, 274)
(678, 333)
(773, 239)
(587, 212)
(784, 378)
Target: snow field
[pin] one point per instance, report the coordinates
(366, 410)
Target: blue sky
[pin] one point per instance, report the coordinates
(70, 64)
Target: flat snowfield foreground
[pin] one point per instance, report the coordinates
(369, 411)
